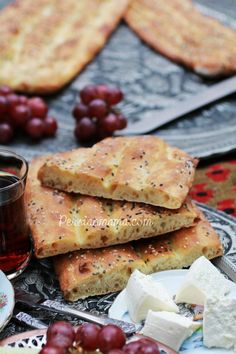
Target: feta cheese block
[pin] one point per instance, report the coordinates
(144, 293)
(219, 327)
(169, 328)
(202, 280)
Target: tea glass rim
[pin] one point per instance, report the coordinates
(25, 163)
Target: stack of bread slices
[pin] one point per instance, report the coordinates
(121, 205)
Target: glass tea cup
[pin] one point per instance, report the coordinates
(15, 243)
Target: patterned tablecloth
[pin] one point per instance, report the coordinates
(215, 185)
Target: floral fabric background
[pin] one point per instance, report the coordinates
(215, 185)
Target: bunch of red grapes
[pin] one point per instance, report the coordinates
(62, 338)
(19, 113)
(96, 117)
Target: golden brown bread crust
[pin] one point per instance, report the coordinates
(141, 169)
(82, 274)
(62, 222)
(180, 248)
(44, 44)
(95, 272)
(179, 31)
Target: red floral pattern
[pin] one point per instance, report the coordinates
(218, 173)
(228, 206)
(200, 193)
(216, 186)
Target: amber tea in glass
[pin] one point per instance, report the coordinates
(15, 245)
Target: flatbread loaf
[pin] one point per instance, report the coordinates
(180, 248)
(62, 222)
(95, 272)
(140, 169)
(45, 43)
(179, 31)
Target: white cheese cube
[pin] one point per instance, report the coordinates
(219, 323)
(169, 328)
(144, 293)
(203, 279)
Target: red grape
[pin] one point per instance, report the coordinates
(116, 351)
(23, 99)
(21, 111)
(5, 90)
(111, 337)
(52, 350)
(12, 100)
(121, 121)
(102, 134)
(35, 128)
(142, 346)
(50, 126)
(4, 118)
(110, 123)
(20, 114)
(88, 93)
(149, 348)
(114, 96)
(87, 336)
(96, 102)
(38, 107)
(62, 328)
(3, 105)
(102, 91)
(80, 111)
(85, 129)
(97, 108)
(6, 133)
(146, 340)
(60, 341)
(132, 347)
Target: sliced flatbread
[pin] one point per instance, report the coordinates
(179, 31)
(61, 222)
(140, 169)
(181, 248)
(45, 43)
(95, 272)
